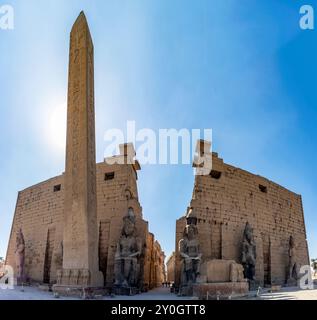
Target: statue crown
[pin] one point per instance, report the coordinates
(130, 215)
(191, 217)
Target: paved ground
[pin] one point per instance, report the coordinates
(156, 294)
(32, 293)
(292, 293)
(27, 293)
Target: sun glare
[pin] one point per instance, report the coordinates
(57, 127)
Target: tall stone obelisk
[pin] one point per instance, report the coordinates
(80, 234)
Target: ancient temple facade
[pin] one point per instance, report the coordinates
(170, 268)
(228, 198)
(69, 227)
(39, 213)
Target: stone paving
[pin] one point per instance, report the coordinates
(33, 293)
(292, 293)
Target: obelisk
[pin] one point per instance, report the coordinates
(80, 233)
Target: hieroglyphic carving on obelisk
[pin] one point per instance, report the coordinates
(80, 236)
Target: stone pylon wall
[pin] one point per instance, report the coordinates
(223, 206)
(170, 268)
(39, 212)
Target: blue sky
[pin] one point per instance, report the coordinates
(243, 68)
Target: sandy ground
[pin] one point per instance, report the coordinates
(33, 293)
(292, 293)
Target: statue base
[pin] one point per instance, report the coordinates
(21, 281)
(291, 283)
(186, 291)
(125, 291)
(253, 285)
(45, 287)
(220, 290)
(78, 291)
(79, 283)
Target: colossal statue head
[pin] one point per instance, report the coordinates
(20, 237)
(248, 233)
(191, 217)
(190, 232)
(291, 242)
(128, 223)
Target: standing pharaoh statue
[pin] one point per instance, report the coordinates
(248, 253)
(189, 251)
(127, 266)
(292, 272)
(20, 255)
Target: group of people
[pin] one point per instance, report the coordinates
(167, 284)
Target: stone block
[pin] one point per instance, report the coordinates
(128, 291)
(78, 291)
(220, 290)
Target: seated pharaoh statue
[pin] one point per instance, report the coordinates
(190, 251)
(20, 256)
(248, 253)
(293, 268)
(208, 277)
(127, 267)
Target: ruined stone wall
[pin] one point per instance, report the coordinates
(39, 212)
(159, 265)
(154, 273)
(170, 267)
(116, 193)
(148, 262)
(229, 197)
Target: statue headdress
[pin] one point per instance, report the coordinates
(191, 217)
(20, 237)
(130, 215)
(248, 229)
(291, 242)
